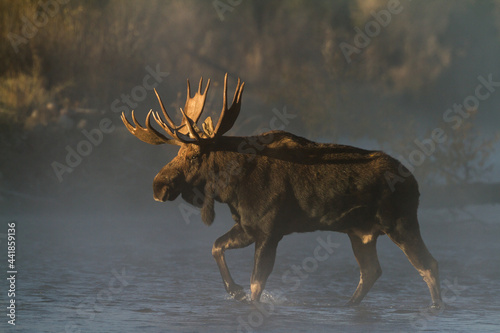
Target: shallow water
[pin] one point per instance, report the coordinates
(110, 274)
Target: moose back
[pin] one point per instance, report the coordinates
(278, 183)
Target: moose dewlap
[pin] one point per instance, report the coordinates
(289, 184)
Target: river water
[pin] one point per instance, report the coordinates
(95, 273)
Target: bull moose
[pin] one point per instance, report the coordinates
(278, 183)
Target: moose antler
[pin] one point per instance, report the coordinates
(148, 134)
(188, 131)
(194, 105)
(228, 117)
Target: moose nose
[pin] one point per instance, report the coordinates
(159, 199)
(160, 192)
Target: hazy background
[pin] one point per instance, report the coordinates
(64, 65)
(62, 77)
(66, 68)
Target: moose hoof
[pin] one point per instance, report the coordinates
(237, 292)
(351, 303)
(437, 306)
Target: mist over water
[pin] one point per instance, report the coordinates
(96, 253)
(151, 272)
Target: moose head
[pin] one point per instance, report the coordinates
(186, 174)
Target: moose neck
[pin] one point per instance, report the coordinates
(226, 169)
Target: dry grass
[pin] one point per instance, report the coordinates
(24, 92)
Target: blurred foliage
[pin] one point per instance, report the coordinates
(63, 65)
(464, 157)
(24, 93)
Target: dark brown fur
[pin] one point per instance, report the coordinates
(278, 183)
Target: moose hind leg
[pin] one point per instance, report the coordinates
(410, 241)
(265, 255)
(365, 251)
(235, 238)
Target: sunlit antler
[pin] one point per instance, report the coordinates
(188, 131)
(170, 128)
(190, 114)
(148, 134)
(194, 106)
(228, 116)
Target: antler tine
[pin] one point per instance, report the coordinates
(193, 107)
(206, 88)
(169, 127)
(189, 124)
(163, 125)
(170, 122)
(199, 88)
(229, 116)
(224, 97)
(148, 134)
(172, 132)
(188, 95)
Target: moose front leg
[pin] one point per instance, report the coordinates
(234, 239)
(265, 254)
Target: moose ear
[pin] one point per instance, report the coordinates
(208, 127)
